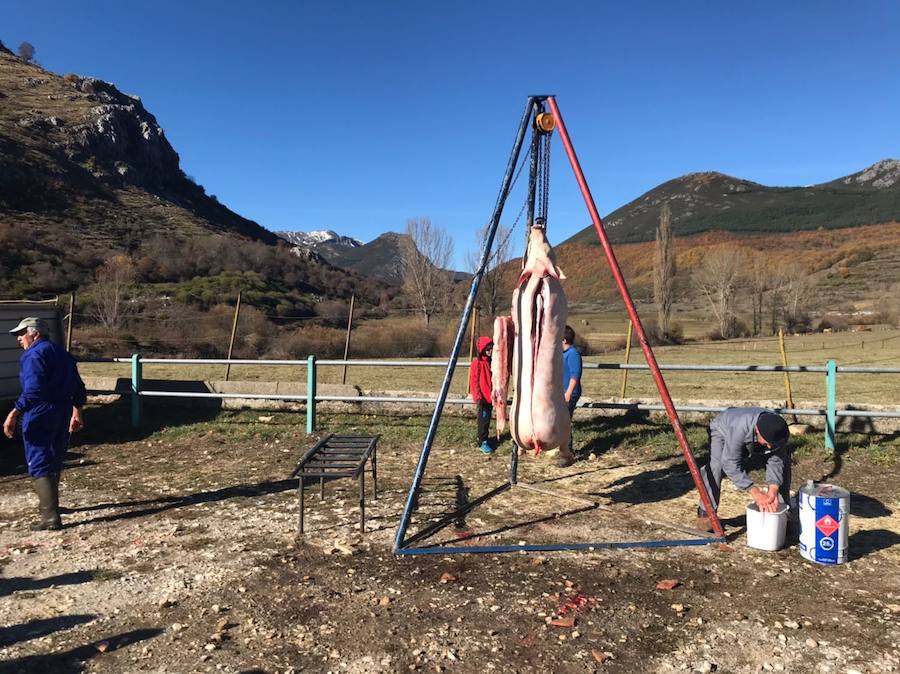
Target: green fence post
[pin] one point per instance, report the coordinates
(136, 377)
(311, 394)
(830, 404)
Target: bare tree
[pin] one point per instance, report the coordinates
(426, 251)
(664, 270)
(26, 52)
(797, 287)
(110, 291)
(760, 280)
(492, 293)
(717, 279)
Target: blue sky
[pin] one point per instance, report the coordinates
(355, 116)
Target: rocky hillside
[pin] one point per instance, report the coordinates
(380, 258)
(87, 173)
(706, 202)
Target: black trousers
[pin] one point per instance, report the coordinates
(484, 411)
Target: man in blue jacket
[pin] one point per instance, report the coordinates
(50, 407)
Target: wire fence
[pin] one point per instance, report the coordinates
(311, 398)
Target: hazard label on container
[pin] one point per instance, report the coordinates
(827, 525)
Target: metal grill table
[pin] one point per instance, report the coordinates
(337, 456)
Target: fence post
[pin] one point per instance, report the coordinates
(627, 358)
(234, 324)
(347, 340)
(830, 404)
(787, 380)
(311, 394)
(136, 380)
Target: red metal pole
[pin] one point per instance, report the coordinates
(635, 320)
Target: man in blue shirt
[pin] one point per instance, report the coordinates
(571, 386)
(50, 407)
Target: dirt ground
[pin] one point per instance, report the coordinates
(179, 554)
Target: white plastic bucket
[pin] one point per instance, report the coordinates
(765, 531)
(824, 523)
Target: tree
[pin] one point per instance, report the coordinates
(790, 290)
(796, 290)
(717, 279)
(760, 280)
(26, 52)
(492, 293)
(109, 292)
(425, 254)
(664, 270)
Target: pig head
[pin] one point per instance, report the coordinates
(539, 416)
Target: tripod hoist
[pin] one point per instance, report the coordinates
(543, 118)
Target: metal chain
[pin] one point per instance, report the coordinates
(545, 183)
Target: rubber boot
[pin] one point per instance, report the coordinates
(48, 499)
(59, 509)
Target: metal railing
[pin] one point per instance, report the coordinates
(311, 397)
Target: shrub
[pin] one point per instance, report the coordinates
(395, 339)
(26, 52)
(310, 340)
(675, 335)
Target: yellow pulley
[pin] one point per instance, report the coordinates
(544, 122)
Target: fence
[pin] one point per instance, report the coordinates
(830, 411)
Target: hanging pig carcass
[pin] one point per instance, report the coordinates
(501, 366)
(539, 417)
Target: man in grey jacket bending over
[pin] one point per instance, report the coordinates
(742, 438)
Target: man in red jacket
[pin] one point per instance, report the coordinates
(480, 386)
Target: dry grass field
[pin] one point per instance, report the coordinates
(868, 349)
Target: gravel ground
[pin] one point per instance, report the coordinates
(179, 554)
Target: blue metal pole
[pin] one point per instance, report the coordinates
(311, 394)
(463, 325)
(830, 404)
(560, 547)
(136, 382)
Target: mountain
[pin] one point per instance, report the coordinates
(319, 239)
(380, 258)
(704, 202)
(322, 245)
(86, 173)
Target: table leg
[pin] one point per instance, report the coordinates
(362, 501)
(375, 473)
(300, 487)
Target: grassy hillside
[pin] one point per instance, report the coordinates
(88, 174)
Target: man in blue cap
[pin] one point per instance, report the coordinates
(50, 408)
(742, 438)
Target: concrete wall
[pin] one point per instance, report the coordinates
(122, 386)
